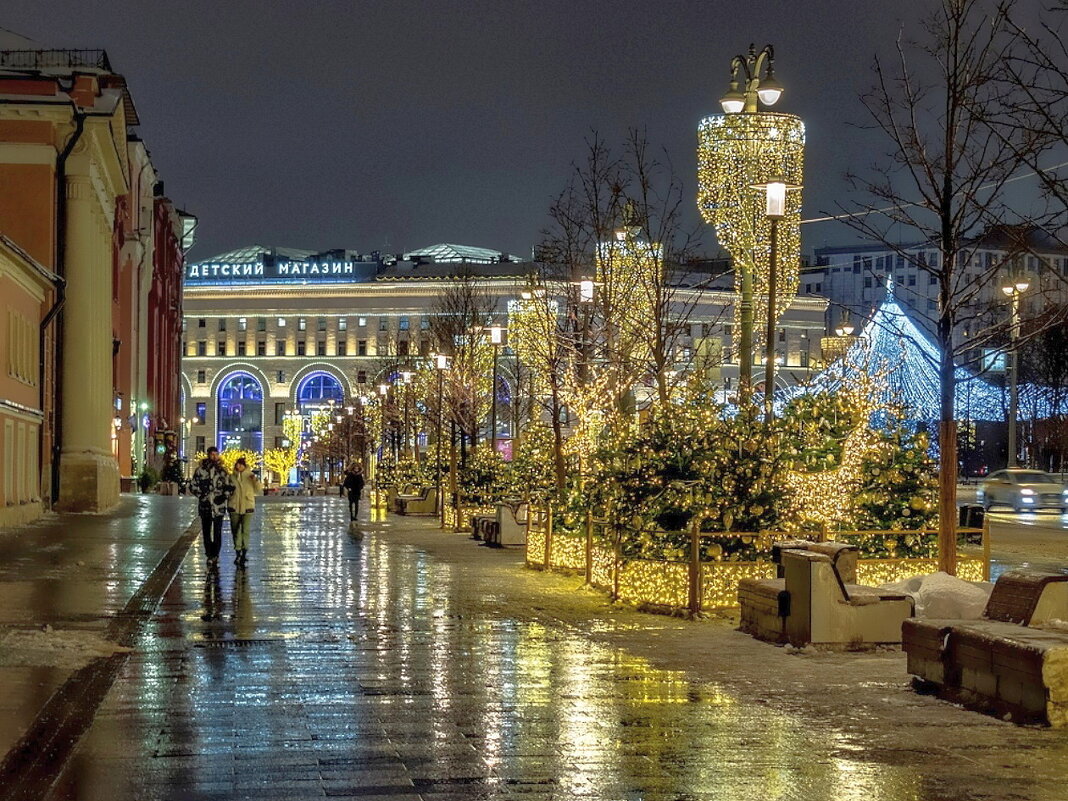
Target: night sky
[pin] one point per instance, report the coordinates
(396, 125)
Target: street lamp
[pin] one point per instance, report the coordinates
(1013, 288)
(496, 340)
(441, 364)
(774, 210)
(767, 90)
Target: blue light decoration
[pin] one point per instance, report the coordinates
(904, 360)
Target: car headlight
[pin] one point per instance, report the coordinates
(1027, 491)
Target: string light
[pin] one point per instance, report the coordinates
(734, 153)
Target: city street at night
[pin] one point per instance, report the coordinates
(412, 663)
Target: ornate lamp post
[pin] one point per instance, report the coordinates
(1013, 288)
(737, 150)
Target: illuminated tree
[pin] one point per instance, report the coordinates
(952, 149)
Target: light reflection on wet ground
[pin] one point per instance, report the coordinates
(354, 668)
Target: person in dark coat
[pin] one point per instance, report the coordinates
(353, 485)
(212, 486)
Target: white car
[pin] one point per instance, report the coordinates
(1023, 490)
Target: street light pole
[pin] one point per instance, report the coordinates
(775, 210)
(496, 340)
(441, 364)
(1014, 289)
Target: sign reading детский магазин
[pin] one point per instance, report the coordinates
(280, 271)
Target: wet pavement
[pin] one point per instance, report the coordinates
(408, 663)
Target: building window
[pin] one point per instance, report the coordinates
(222, 323)
(261, 347)
(261, 324)
(931, 306)
(302, 324)
(281, 322)
(280, 347)
(867, 282)
(202, 348)
(342, 323)
(424, 323)
(279, 413)
(424, 347)
(321, 324)
(220, 348)
(240, 413)
(281, 377)
(912, 279)
(202, 323)
(200, 445)
(403, 324)
(202, 415)
(319, 389)
(361, 347)
(361, 377)
(278, 442)
(242, 324)
(241, 347)
(402, 347)
(320, 348)
(362, 322)
(342, 349)
(803, 354)
(302, 348)
(932, 280)
(782, 335)
(383, 324)
(202, 376)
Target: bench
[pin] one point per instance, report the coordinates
(817, 600)
(423, 502)
(508, 526)
(1000, 664)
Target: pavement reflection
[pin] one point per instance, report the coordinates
(352, 666)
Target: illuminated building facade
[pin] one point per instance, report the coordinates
(268, 330)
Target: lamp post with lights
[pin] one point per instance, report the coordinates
(1013, 289)
(441, 364)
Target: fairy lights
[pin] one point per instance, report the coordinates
(735, 152)
(905, 359)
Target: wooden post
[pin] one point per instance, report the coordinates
(695, 568)
(986, 547)
(589, 547)
(548, 535)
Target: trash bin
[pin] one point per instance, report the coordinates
(971, 515)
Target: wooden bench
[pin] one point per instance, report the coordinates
(817, 600)
(423, 502)
(1000, 664)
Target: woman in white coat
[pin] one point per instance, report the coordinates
(242, 503)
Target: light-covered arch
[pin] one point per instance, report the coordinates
(319, 387)
(238, 398)
(320, 367)
(238, 367)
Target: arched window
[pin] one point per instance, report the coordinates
(240, 418)
(318, 389)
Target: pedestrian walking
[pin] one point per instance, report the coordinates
(242, 503)
(353, 485)
(211, 485)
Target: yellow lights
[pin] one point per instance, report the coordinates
(664, 584)
(735, 153)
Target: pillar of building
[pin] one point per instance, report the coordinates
(88, 475)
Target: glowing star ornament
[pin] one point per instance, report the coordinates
(735, 153)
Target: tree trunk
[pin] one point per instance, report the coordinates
(558, 443)
(947, 445)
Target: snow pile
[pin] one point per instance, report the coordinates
(48, 647)
(940, 595)
(1053, 624)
